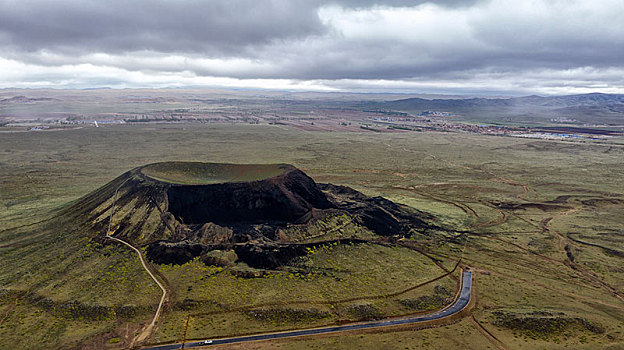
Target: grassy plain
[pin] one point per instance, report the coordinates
(541, 219)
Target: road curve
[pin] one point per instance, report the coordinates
(458, 305)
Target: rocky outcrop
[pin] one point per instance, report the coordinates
(285, 198)
(380, 215)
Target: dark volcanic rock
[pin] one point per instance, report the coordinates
(173, 252)
(284, 198)
(272, 256)
(268, 257)
(380, 215)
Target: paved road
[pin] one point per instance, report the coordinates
(459, 304)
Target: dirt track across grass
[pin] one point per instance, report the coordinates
(145, 334)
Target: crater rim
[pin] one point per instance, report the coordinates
(209, 173)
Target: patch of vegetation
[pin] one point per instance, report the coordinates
(366, 127)
(220, 258)
(287, 315)
(441, 298)
(187, 305)
(543, 324)
(242, 271)
(71, 309)
(364, 312)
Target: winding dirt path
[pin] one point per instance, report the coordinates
(580, 270)
(147, 332)
(488, 335)
(460, 205)
(544, 226)
(501, 219)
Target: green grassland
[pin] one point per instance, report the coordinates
(539, 221)
(331, 280)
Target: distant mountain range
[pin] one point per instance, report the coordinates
(594, 108)
(554, 101)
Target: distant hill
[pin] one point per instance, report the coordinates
(24, 99)
(585, 108)
(595, 108)
(551, 101)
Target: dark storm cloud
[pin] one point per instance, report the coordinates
(209, 27)
(305, 40)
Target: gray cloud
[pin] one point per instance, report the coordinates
(323, 40)
(399, 3)
(208, 27)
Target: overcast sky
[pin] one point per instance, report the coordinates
(480, 46)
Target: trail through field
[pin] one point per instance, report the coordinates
(148, 330)
(145, 334)
(496, 177)
(10, 310)
(494, 222)
(325, 233)
(581, 270)
(525, 188)
(436, 261)
(488, 335)
(553, 289)
(463, 206)
(544, 226)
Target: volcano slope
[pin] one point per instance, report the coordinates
(241, 249)
(266, 214)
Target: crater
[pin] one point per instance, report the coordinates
(197, 173)
(238, 194)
